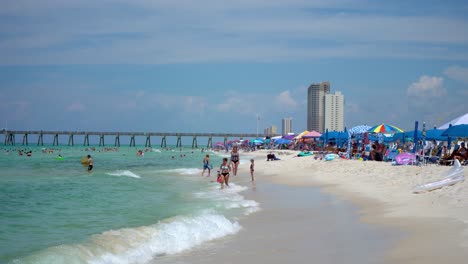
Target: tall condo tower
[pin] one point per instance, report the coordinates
(334, 112)
(286, 125)
(316, 106)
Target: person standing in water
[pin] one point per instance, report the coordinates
(206, 165)
(224, 168)
(235, 159)
(252, 169)
(90, 164)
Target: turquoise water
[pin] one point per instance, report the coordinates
(130, 209)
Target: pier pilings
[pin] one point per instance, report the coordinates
(9, 137)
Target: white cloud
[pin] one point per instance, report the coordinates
(178, 104)
(284, 100)
(427, 86)
(239, 103)
(457, 73)
(217, 31)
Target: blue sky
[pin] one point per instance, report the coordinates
(213, 66)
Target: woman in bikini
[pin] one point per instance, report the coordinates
(224, 168)
(235, 159)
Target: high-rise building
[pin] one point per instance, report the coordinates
(334, 112)
(269, 131)
(286, 126)
(316, 106)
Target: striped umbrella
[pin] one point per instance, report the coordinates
(385, 129)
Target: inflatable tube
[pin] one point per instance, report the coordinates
(60, 158)
(438, 184)
(405, 158)
(451, 177)
(331, 156)
(304, 154)
(454, 171)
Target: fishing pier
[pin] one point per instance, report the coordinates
(10, 137)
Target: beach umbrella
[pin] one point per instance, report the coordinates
(435, 134)
(385, 129)
(312, 134)
(282, 141)
(258, 141)
(461, 120)
(290, 137)
(301, 134)
(361, 129)
(456, 131)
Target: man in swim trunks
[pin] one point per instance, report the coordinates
(206, 165)
(90, 164)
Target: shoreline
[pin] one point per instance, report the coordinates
(435, 223)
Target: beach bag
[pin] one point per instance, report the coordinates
(219, 179)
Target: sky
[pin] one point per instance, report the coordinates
(215, 66)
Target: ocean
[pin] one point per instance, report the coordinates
(130, 209)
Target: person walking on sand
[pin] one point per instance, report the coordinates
(252, 169)
(235, 159)
(206, 165)
(90, 164)
(224, 168)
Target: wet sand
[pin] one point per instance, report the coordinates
(296, 225)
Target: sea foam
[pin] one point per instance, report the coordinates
(141, 244)
(125, 173)
(229, 198)
(186, 171)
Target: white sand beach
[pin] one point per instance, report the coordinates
(306, 215)
(436, 222)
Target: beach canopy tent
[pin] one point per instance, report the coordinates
(461, 120)
(435, 134)
(456, 131)
(290, 137)
(338, 137)
(301, 134)
(407, 135)
(312, 134)
(258, 141)
(357, 130)
(430, 135)
(282, 141)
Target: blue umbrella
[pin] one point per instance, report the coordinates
(435, 134)
(359, 129)
(282, 141)
(456, 131)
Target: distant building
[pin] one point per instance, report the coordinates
(271, 131)
(334, 112)
(324, 110)
(286, 126)
(316, 106)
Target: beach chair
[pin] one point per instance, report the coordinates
(391, 155)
